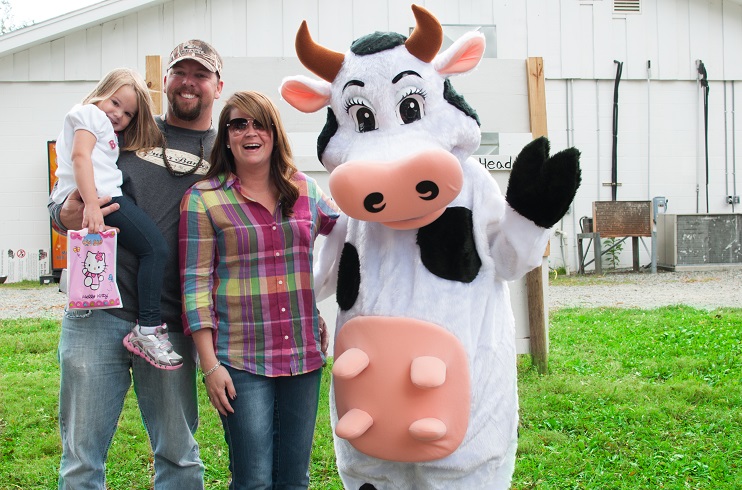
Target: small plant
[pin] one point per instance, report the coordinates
(557, 271)
(612, 256)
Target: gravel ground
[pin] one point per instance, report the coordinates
(43, 302)
(706, 289)
(700, 289)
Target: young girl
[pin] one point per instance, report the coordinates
(118, 113)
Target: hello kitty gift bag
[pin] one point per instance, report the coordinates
(91, 270)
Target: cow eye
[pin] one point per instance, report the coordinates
(411, 108)
(362, 114)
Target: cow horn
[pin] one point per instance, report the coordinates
(427, 37)
(321, 61)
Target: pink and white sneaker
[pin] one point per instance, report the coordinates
(155, 348)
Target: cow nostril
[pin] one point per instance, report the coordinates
(374, 202)
(428, 190)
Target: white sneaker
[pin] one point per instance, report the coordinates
(155, 348)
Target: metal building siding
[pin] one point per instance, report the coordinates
(670, 33)
(25, 188)
(731, 26)
(577, 39)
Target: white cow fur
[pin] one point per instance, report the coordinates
(395, 283)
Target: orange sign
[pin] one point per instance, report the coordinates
(58, 242)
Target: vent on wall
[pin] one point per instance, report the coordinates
(627, 6)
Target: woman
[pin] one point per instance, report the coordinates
(247, 234)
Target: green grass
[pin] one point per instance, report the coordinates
(27, 285)
(635, 399)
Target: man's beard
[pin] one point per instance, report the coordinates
(181, 113)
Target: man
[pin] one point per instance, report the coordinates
(96, 368)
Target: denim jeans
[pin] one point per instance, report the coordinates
(270, 433)
(96, 372)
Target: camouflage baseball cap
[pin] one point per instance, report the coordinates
(197, 50)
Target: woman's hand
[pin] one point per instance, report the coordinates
(219, 385)
(221, 390)
(324, 336)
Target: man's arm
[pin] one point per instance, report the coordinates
(68, 215)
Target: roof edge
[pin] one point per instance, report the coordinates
(56, 27)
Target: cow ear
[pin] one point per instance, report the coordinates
(305, 94)
(463, 56)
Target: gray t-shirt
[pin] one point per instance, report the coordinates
(158, 193)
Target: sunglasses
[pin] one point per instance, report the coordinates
(239, 125)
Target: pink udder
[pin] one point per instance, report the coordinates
(402, 392)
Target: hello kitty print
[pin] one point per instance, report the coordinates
(91, 270)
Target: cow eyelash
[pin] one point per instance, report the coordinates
(351, 102)
(415, 91)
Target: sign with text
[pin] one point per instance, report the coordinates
(495, 162)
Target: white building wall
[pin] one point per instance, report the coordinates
(660, 140)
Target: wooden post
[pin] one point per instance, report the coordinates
(534, 279)
(153, 77)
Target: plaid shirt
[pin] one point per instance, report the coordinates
(248, 275)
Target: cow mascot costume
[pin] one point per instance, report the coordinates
(424, 389)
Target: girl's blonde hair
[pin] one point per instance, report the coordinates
(142, 131)
(263, 110)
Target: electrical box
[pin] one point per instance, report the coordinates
(622, 218)
(699, 241)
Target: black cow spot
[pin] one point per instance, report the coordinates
(447, 247)
(367, 486)
(457, 100)
(349, 277)
(331, 127)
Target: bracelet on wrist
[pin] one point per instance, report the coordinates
(211, 371)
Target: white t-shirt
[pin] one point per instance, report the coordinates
(108, 178)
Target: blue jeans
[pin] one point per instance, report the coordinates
(270, 433)
(96, 372)
(140, 236)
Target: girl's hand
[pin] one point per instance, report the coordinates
(220, 388)
(74, 207)
(92, 219)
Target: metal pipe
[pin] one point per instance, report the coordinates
(572, 143)
(734, 152)
(705, 84)
(614, 163)
(597, 132)
(703, 80)
(698, 196)
(560, 232)
(649, 130)
(726, 143)
(698, 140)
(569, 116)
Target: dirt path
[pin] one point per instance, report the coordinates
(708, 289)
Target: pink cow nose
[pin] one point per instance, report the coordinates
(402, 194)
